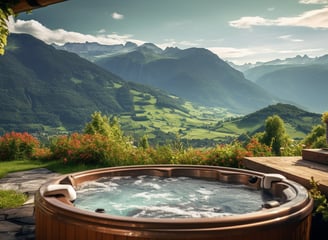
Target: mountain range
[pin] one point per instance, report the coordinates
(201, 76)
(301, 80)
(195, 74)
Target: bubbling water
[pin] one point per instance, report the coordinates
(176, 197)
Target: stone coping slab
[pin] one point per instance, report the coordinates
(19, 223)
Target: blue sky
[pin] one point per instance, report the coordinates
(236, 30)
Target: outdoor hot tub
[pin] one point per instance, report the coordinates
(273, 207)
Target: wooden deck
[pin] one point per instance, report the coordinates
(293, 168)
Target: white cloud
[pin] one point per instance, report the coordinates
(290, 38)
(231, 53)
(117, 16)
(313, 19)
(61, 36)
(248, 22)
(313, 1)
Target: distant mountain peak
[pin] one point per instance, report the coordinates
(151, 47)
(130, 45)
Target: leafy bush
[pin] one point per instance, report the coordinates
(42, 154)
(316, 138)
(320, 200)
(228, 155)
(90, 149)
(255, 148)
(16, 146)
(11, 199)
(191, 156)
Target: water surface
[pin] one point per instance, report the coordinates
(157, 197)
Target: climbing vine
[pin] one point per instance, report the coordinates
(5, 12)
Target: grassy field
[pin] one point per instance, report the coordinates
(195, 123)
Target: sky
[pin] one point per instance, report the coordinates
(240, 31)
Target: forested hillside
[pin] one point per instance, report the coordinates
(42, 86)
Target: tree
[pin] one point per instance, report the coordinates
(101, 124)
(275, 134)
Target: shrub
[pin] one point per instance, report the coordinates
(316, 138)
(320, 200)
(257, 149)
(42, 154)
(228, 155)
(90, 149)
(17, 146)
(190, 156)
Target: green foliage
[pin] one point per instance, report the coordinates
(228, 155)
(320, 200)
(101, 124)
(316, 138)
(5, 12)
(324, 117)
(275, 134)
(11, 199)
(292, 148)
(15, 146)
(143, 143)
(97, 149)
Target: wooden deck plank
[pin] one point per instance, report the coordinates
(294, 168)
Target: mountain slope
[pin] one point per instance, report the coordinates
(300, 80)
(41, 85)
(195, 74)
(304, 84)
(298, 122)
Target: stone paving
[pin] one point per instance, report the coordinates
(18, 223)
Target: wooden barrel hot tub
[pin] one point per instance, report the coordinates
(58, 218)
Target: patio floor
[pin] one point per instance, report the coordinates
(293, 168)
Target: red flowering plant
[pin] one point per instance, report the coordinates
(91, 149)
(17, 146)
(79, 148)
(257, 149)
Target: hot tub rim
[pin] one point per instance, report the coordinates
(286, 208)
